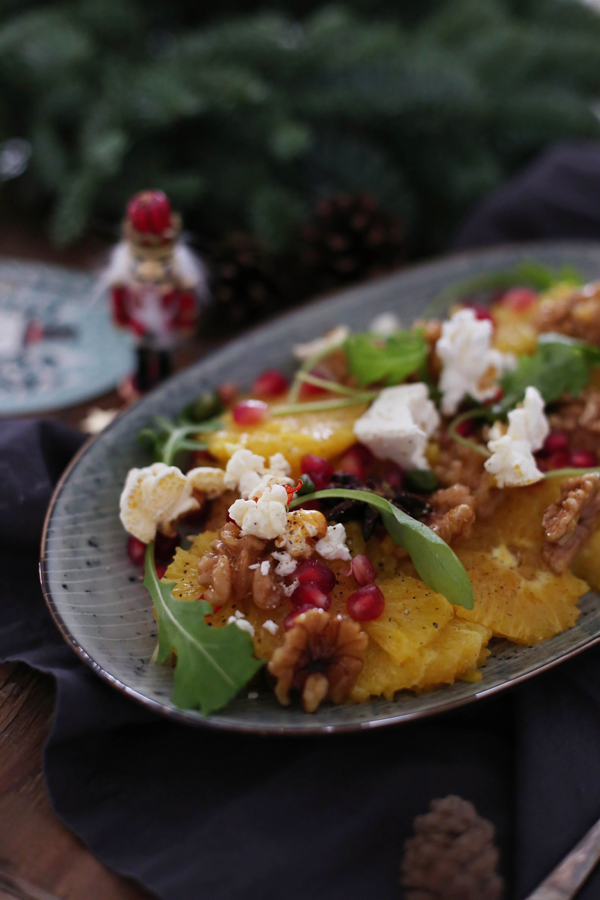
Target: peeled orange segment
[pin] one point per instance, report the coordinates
(412, 617)
(325, 434)
(184, 568)
(525, 610)
(456, 649)
(586, 564)
(381, 675)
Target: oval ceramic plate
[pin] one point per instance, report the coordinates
(94, 591)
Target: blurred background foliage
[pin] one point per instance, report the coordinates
(248, 117)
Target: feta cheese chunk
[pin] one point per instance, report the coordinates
(286, 564)
(385, 324)
(512, 461)
(470, 365)
(265, 517)
(247, 473)
(153, 498)
(397, 425)
(332, 339)
(242, 622)
(207, 479)
(333, 545)
(279, 466)
(271, 626)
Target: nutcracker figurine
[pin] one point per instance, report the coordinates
(155, 283)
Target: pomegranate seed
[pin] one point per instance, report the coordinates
(363, 570)
(313, 571)
(202, 458)
(481, 312)
(270, 384)
(519, 299)
(355, 461)
(555, 442)
(466, 428)
(366, 604)
(227, 392)
(160, 570)
(250, 412)
(136, 550)
(318, 469)
(165, 547)
(394, 475)
(582, 459)
(291, 617)
(312, 390)
(311, 595)
(559, 460)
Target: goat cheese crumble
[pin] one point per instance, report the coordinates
(271, 626)
(333, 545)
(207, 479)
(512, 461)
(470, 365)
(398, 424)
(247, 473)
(332, 339)
(265, 517)
(242, 622)
(286, 564)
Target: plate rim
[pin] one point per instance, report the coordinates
(200, 721)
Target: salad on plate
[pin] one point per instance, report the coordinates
(375, 523)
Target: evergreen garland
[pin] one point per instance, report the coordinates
(249, 121)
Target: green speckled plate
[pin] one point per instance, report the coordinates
(94, 592)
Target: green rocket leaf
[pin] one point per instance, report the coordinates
(372, 360)
(213, 664)
(438, 565)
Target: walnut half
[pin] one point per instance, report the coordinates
(321, 657)
(568, 523)
(453, 512)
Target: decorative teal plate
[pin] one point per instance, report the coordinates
(95, 594)
(58, 346)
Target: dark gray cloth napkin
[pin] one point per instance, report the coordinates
(191, 813)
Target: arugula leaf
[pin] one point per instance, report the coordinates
(168, 438)
(559, 364)
(401, 355)
(213, 664)
(436, 563)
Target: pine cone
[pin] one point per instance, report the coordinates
(243, 282)
(350, 239)
(452, 855)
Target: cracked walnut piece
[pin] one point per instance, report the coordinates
(321, 657)
(453, 512)
(576, 314)
(568, 523)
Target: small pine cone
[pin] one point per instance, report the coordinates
(350, 238)
(452, 855)
(243, 282)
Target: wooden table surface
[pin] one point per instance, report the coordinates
(40, 859)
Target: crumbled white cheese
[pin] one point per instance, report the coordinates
(209, 480)
(332, 339)
(246, 472)
(278, 465)
(397, 425)
(254, 566)
(512, 461)
(288, 589)
(241, 622)
(265, 567)
(286, 563)
(154, 497)
(266, 517)
(333, 545)
(470, 365)
(271, 626)
(385, 324)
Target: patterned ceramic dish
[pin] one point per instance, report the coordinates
(94, 592)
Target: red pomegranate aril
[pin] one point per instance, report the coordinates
(311, 595)
(319, 470)
(582, 459)
(250, 412)
(559, 460)
(466, 428)
(363, 570)
(555, 442)
(165, 547)
(270, 384)
(160, 570)
(291, 617)
(136, 550)
(481, 312)
(355, 461)
(394, 475)
(366, 604)
(313, 571)
(519, 299)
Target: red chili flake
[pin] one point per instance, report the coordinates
(291, 491)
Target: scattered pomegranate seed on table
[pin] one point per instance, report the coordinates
(250, 412)
(363, 570)
(271, 383)
(366, 604)
(519, 299)
(311, 595)
(319, 470)
(313, 571)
